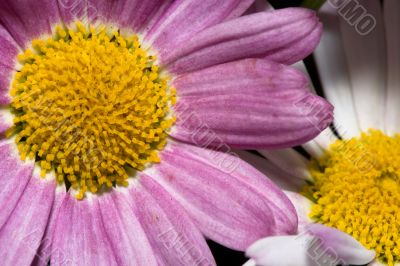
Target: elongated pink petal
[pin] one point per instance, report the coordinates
(79, 236)
(250, 76)
(124, 231)
(43, 254)
(249, 111)
(171, 232)
(185, 18)
(231, 202)
(286, 36)
(320, 245)
(14, 177)
(22, 233)
(26, 19)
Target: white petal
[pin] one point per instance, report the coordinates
(279, 177)
(289, 161)
(332, 68)
(317, 147)
(303, 208)
(366, 58)
(392, 24)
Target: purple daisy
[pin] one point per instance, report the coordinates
(118, 119)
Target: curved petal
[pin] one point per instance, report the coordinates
(317, 146)
(173, 236)
(124, 230)
(26, 19)
(392, 22)
(14, 177)
(248, 111)
(24, 229)
(185, 18)
(285, 36)
(366, 59)
(320, 245)
(231, 202)
(79, 236)
(303, 208)
(43, 254)
(6, 121)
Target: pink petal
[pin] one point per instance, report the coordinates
(248, 111)
(185, 18)
(14, 177)
(22, 233)
(128, 240)
(286, 36)
(79, 237)
(44, 251)
(26, 19)
(231, 202)
(174, 237)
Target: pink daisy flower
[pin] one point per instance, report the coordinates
(117, 120)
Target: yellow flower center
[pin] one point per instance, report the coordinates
(91, 106)
(357, 190)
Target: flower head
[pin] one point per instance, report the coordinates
(117, 121)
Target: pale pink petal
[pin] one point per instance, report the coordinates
(350, 251)
(79, 237)
(303, 209)
(22, 233)
(124, 230)
(231, 202)
(43, 254)
(14, 177)
(185, 18)
(249, 111)
(320, 245)
(285, 36)
(26, 19)
(174, 237)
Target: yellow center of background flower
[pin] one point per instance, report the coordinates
(357, 190)
(90, 105)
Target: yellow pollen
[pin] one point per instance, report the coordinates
(90, 106)
(357, 190)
